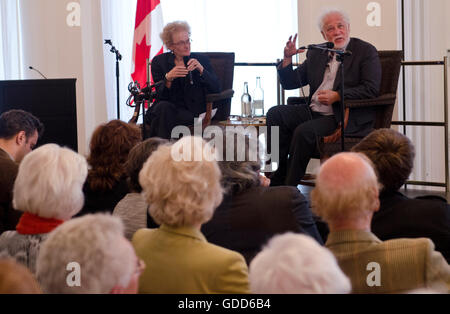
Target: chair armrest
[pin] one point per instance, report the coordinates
(383, 100)
(226, 94)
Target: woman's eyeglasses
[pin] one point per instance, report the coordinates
(183, 43)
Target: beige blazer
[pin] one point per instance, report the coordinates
(404, 264)
(180, 260)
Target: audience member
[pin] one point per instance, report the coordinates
(16, 279)
(252, 213)
(89, 255)
(106, 183)
(19, 133)
(346, 197)
(133, 209)
(181, 183)
(295, 263)
(48, 189)
(392, 154)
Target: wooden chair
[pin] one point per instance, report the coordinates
(384, 104)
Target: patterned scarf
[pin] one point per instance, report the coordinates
(32, 224)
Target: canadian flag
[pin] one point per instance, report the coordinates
(147, 43)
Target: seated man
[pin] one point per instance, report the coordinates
(300, 126)
(346, 197)
(89, 255)
(295, 263)
(392, 154)
(19, 133)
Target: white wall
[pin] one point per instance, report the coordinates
(61, 51)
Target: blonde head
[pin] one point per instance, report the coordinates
(181, 183)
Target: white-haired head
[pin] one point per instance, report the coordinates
(50, 181)
(95, 243)
(294, 264)
(326, 12)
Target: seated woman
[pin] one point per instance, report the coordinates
(186, 79)
(48, 188)
(251, 212)
(106, 183)
(183, 195)
(132, 209)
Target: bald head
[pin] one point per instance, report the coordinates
(346, 188)
(345, 171)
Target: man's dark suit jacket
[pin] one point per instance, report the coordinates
(362, 72)
(245, 222)
(402, 217)
(8, 173)
(182, 93)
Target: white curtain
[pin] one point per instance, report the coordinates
(118, 18)
(426, 40)
(10, 52)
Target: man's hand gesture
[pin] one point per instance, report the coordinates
(290, 50)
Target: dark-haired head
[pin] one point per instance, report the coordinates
(392, 154)
(14, 121)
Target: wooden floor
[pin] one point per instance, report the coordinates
(408, 192)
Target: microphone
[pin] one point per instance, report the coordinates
(148, 88)
(33, 69)
(327, 45)
(186, 59)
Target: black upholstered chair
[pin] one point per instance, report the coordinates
(223, 65)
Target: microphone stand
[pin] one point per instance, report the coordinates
(340, 56)
(148, 93)
(118, 58)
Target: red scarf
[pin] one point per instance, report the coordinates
(32, 224)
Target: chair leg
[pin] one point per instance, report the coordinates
(207, 120)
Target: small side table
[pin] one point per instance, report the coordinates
(236, 121)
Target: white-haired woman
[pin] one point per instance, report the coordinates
(181, 183)
(48, 189)
(94, 245)
(186, 77)
(295, 263)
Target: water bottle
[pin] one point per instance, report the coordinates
(246, 102)
(258, 99)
